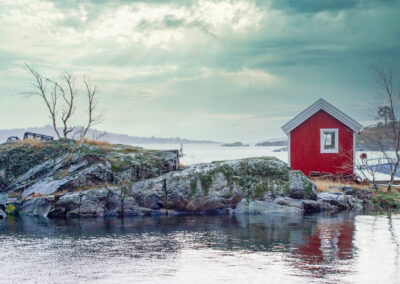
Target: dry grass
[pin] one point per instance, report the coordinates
(32, 142)
(395, 188)
(334, 186)
(94, 142)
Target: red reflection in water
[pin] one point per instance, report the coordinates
(331, 242)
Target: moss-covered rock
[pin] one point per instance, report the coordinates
(46, 168)
(64, 179)
(219, 186)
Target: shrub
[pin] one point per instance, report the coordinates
(10, 209)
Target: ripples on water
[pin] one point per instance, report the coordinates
(202, 249)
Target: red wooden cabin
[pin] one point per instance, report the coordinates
(322, 139)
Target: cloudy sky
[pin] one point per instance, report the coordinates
(222, 70)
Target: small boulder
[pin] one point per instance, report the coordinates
(348, 190)
(300, 186)
(334, 198)
(37, 207)
(285, 201)
(311, 206)
(262, 207)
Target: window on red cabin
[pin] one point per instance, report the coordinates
(329, 140)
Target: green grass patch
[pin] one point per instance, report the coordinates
(386, 200)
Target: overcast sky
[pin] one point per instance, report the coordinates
(222, 70)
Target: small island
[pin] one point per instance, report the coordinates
(73, 179)
(273, 142)
(282, 149)
(235, 144)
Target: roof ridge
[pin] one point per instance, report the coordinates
(321, 104)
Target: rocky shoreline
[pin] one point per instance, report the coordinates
(63, 179)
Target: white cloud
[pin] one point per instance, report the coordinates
(221, 59)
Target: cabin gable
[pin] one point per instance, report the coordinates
(307, 152)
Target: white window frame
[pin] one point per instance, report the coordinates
(322, 142)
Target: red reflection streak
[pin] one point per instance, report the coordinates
(332, 241)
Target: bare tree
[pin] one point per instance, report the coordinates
(92, 105)
(69, 100)
(62, 95)
(40, 84)
(388, 139)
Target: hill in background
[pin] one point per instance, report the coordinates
(274, 142)
(114, 138)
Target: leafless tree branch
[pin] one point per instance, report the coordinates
(93, 118)
(50, 100)
(63, 95)
(384, 77)
(69, 99)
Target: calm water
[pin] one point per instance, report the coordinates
(202, 249)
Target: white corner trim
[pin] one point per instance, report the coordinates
(289, 150)
(322, 142)
(321, 104)
(354, 152)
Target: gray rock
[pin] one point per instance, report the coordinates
(78, 166)
(143, 211)
(286, 201)
(93, 203)
(336, 199)
(3, 198)
(348, 190)
(3, 182)
(46, 186)
(114, 202)
(262, 207)
(2, 214)
(45, 169)
(38, 207)
(130, 207)
(95, 174)
(357, 204)
(66, 205)
(149, 193)
(311, 206)
(325, 206)
(300, 186)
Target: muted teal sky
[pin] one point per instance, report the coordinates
(222, 70)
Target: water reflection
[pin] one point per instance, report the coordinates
(277, 247)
